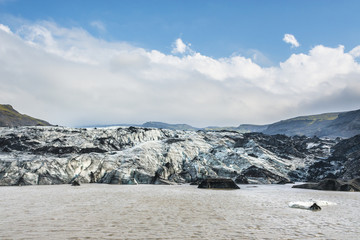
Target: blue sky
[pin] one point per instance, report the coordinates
(214, 28)
(228, 48)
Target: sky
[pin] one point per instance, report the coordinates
(204, 63)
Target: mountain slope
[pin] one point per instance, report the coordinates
(9, 117)
(342, 124)
(303, 125)
(347, 124)
(251, 128)
(339, 124)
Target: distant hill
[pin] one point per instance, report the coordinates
(341, 124)
(183, 127)
(9, 117)
(244, 128)
(332, 125)
(217, 128)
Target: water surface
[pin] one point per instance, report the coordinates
(99, 211)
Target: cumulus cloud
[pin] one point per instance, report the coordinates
(355, 52)
(180, 47)
(73, 44)
(69, 77)
(289, 38)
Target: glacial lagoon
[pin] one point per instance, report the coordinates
(99, 211)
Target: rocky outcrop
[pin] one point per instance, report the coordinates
(241, 179)
(333, 185)
(131, 155)
(75, 183)
(218, 183)
(315, 207)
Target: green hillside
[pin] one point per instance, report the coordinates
(9, 117)
(316, 118)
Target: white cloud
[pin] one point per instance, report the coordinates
(355, 52)
(73, 44)
(180, 47)
(5, 28)
(259, 58)
(100, 26)
(289, 38)
(69, 77)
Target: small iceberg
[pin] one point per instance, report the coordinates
(310, 205)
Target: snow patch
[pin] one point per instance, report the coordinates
(312, 145)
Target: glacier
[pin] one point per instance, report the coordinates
(138, 155)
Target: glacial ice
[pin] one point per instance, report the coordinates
(121, 155)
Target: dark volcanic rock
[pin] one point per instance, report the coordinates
(333, 185)
(222, 183)
(56, 150)
(92, 177)
(315, 207)
(75, 183)
(282, 145)
(241, 179)
(344, 162)
(262, 175)
(197, 182)
(174, 140)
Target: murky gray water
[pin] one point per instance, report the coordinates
(94, 211)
